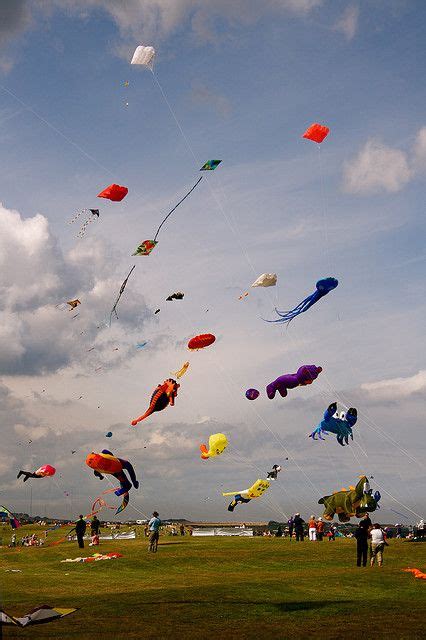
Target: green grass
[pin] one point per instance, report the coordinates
(218, 588)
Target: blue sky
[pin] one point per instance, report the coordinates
(244, 81)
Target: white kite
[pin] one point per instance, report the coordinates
(266, 280)
(145, 56)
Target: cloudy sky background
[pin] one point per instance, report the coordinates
(244, 80)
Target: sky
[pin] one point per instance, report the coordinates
(240, 82)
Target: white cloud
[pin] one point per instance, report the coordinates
(375, 169)
(396, 388)
(348, 22)
(419, 151)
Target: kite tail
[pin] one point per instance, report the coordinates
(124, 504)
(145, 415)
(204, 452)
(287, 316)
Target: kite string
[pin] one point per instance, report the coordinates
(176, 206)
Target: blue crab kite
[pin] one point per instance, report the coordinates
(333, 423)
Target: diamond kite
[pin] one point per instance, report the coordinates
(210, 165)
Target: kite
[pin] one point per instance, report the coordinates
(175, 296)
(157, 311)
(139, 345)
(243, 295)
(45, 471)
(145, 248)
(5, 514)
(266, 280)
(255, 491)
(306, 374)
(163, 396)
(126, 83)
(144, 56)
(114, 192)
(90, 216)
(322, 288)
(120, 293)
(73, 304)
(316, 132)
(273, 474)
(201, 341)
(416, 573)
(45, 613)
(96, 557)
(108, 435)
(217, 445)
(252, 394)
(333, 423)
(182, 370)
(210, 165)
(349, 503)
(106, 462)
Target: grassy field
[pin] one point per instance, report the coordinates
(218, 588)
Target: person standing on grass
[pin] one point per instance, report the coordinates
(290, 523)
(298, 527)
(320, 529)
(80, 529)
(95, 525)
(154, 531)
(312, 529)
(361, 535)
(378, 543)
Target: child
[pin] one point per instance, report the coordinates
(94, 540)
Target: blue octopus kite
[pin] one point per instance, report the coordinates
(333, 423)
(323, 287)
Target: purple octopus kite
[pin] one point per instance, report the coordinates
(306, 374)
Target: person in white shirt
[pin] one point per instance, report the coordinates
(378, 543)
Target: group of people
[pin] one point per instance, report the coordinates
(80, 530)
(27, 541)
(316, 529)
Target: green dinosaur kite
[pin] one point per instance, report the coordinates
(347, 504)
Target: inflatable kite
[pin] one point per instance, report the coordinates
(333, 423)
(305, 375)
(354, 502)
(217, 445)
(144, 56)
(255, 491)
(163, 396)
(182, 370)
(252, 394)
(210, 165)
(42, 472)
(114, 192)
(416, 573)
(108, 435)
(322, 288)
(201, 341)
(145, 248)
(106, 462)
(274, 472)
(266, 280)
(6, 514)
(316, 132)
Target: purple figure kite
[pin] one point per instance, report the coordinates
(306, 374)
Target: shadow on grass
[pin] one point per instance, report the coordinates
(282, 606)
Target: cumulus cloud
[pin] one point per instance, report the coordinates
(396, 388)
(375, 169)
(37, 336)
(348, 22)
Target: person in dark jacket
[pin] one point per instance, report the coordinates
(95, 525)
(361, 535)
(80, 529)
(298, 527)
(290, 523)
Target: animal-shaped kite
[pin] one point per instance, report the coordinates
(114, 192)
(163, 396)
(316, 132)
(349, 503)
(107, 462)
(184, 368)
(266, 280)
(217, 445)
(322, 288)
(255, 491)
(306, 374)
(42, 472)
(73, 304)
(145, 248)
(333, 423)
(274, 472)
(201, 341)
